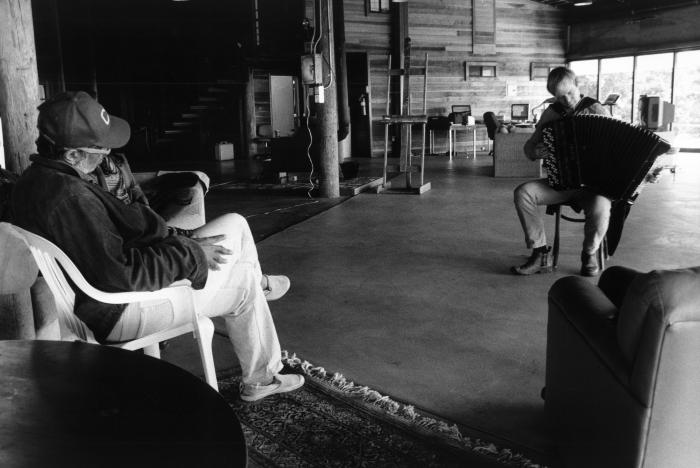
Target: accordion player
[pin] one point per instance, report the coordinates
(605, 155)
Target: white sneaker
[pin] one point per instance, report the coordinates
(281, 383)
(277, 286)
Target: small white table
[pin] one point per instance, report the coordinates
(453, 138)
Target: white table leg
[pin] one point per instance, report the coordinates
(451, 144)
(474, 141)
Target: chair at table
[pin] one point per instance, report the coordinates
(459, 113)
(555, 210)
(264, 137)
(491, 123)
(436, 123)
(52, 262)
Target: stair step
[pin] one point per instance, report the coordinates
(207, 99)
(200, 107)
(172, 132)
(229, 82)
(217, 90)
(183, 124)
(189, 115)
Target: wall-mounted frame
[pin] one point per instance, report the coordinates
(540, 70)
(376, 6)
(474, 70)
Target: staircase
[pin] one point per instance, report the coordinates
(209, 117)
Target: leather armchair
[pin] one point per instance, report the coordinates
(623, 369)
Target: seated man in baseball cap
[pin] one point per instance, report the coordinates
(128, 247)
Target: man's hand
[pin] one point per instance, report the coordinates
(654, 175)
(540, 151)
(215, 253)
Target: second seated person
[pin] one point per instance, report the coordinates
(121, 246)
(528, 197)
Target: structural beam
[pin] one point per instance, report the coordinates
(327, 112)
(19, 83)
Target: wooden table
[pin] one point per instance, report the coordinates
(76, 404)
(453, 138)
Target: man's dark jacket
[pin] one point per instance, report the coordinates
(117, 247)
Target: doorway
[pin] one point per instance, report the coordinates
(360, 102)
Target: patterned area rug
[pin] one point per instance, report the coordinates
(333, 422)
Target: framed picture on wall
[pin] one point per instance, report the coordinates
(479, 70)
(540, 70)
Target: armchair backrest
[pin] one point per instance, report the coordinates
(659, 309)
(659, 334)
(491, 123)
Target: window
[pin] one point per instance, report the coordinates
(616, 77)
(587, 77)
(376, 6)
(673, 76)
(652, 76)
(686, 97)
(480, 70)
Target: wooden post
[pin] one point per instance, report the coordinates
(341, 75)
(249, 115)
(19, 83)
(327, 112)
(399, 34)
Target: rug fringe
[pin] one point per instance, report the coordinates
(407, 413)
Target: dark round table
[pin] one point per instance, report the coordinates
(78, 405)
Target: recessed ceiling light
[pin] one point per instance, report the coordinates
(589, 3)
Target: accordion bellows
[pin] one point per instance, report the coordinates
(606, 155)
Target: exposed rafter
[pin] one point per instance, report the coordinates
(614, 8)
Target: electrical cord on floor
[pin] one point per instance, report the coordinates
(313, 202)
(308, 149)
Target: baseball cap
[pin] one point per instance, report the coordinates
(74, 120)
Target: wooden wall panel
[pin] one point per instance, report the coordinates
(526, 32)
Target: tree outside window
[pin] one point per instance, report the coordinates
(687, 99)
(616, 77)
(652, 77)
(586, 76)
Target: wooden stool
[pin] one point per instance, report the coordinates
(555, 210)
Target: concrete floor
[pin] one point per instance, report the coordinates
(411, 295)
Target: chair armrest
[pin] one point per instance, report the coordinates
(143, 177)
(19, 271)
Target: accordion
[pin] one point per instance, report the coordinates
(606, 155)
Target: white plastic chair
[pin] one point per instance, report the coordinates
(48, 258)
